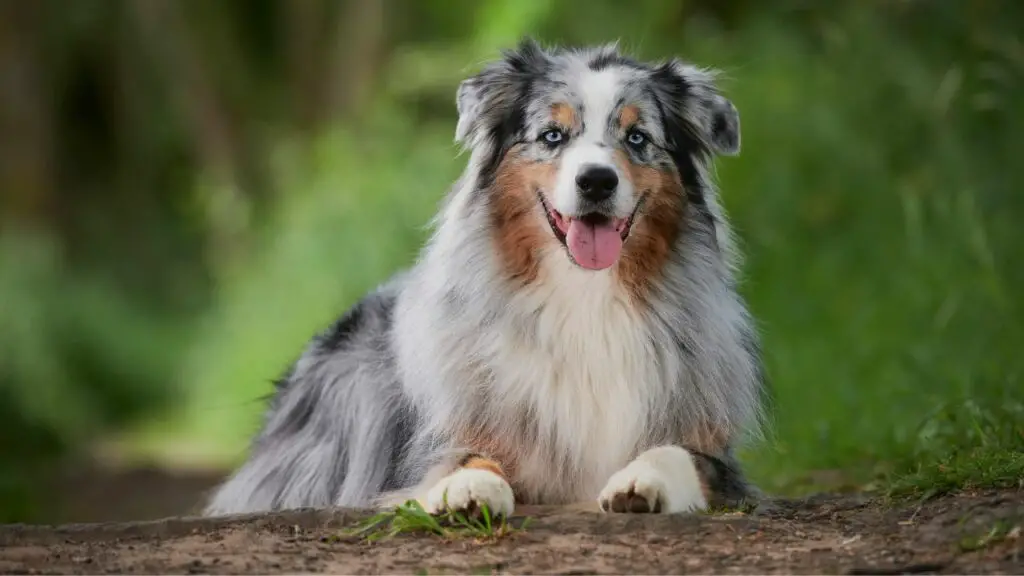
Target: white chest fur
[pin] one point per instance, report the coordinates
(580, 358)
(563, 373)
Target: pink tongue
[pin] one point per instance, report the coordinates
(593, 247)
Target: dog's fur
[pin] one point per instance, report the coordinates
(499, 369)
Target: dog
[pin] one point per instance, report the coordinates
(571, 331)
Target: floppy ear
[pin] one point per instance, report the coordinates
(690, 94)
(724, 126)
(485, 98)
(468, 101)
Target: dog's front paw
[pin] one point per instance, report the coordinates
(662, 480)
(467, 490)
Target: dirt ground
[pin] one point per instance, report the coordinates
(967, 533)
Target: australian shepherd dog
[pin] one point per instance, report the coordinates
(572, 331)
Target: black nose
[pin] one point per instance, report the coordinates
(597, 183)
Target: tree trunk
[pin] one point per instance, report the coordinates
(27, 156)
(303, 35)
(357, 54)
(215, 137)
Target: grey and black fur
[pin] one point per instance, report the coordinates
(498, 345)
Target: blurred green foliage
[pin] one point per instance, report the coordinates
(204, 185)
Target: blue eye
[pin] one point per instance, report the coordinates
(636, 138)
(552, 137)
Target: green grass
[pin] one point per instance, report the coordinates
(964, 447)
(993, 468)
(411, 518)
(1000, 531)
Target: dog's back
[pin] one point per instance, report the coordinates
(336, 424)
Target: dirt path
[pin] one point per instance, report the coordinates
(967, 533)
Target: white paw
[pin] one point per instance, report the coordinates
(467, 490)
(662, 480)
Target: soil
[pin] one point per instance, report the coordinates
(854, 534)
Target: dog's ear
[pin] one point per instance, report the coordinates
(486, 98)
(468, 101)
(690, 94)
(724, 126)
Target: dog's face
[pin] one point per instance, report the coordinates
(593, 151)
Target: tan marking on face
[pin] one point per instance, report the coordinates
(564, 115)
(515, 213)
(655, 228)
(628, 116)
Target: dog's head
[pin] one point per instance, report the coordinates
(592, 150)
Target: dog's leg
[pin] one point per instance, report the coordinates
(661, 480)
(670, 479)
(475, 481)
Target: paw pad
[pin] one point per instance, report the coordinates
(630, 501)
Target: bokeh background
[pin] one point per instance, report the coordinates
(192, 188)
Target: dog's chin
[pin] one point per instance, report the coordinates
(592, 241)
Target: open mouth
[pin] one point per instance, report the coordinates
(594, 241)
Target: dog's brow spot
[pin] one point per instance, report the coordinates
(563, 114)
(628, 116)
